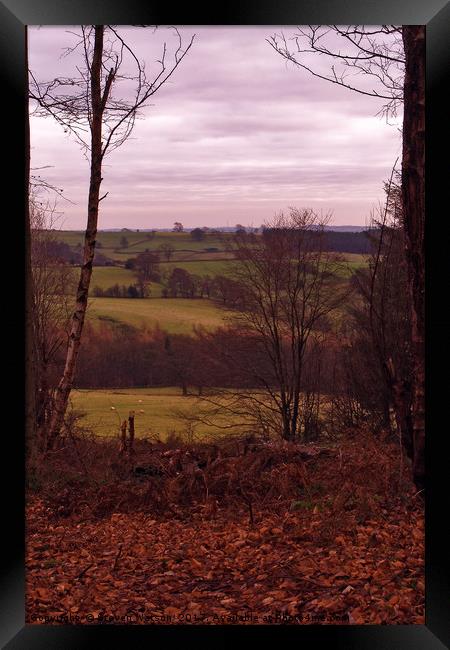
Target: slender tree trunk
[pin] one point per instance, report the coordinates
(285, 417)
(403, 418)
(413, 196)
(386, 420)
(295, 414)
(30, 345)
(65, 385)
(400, 394)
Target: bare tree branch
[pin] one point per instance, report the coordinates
(376, 53)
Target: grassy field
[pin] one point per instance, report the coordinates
(194, 256)
(352, 262)
(201, 267)
(109, 243)
(107, 276)
(176, 315)
(157, 411)
(355, 260)
(180, 242)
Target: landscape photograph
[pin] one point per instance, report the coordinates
(225, 287)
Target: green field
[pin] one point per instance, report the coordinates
(157, 411)
(352, 262)
(176, 315)
(180, 242)
(106, 276)
(109, 243)
(201, 267)
(194, 256)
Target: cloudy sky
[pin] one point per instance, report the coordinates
(236, 136)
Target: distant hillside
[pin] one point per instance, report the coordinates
(349, 228)
(115, 247)
(346, 228)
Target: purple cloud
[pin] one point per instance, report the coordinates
(235, 136)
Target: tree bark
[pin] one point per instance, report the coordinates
(413, 197)
(401, 402)
(65, 385)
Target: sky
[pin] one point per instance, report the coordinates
(237, 135)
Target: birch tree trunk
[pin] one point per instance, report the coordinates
(413, 197)
(97, 103)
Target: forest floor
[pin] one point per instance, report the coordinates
(248, 534)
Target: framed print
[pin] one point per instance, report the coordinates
(231, 346)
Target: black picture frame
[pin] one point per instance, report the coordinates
(435, 14)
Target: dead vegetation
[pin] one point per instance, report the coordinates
(180, 534)
(91, 477)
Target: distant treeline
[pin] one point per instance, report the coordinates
(125, 357)
(119, 291)
(61, 252)
(338, 242)
(349, 242)
(182, 284)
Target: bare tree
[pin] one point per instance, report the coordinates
(413, 197)
(389, 305)
(181, 283)
(389, 62)
(378, 368)
(146, 270)
(167, 250)
(53, 286)
(90, 108)
(288, 287)
(147, 263)
(198, 234)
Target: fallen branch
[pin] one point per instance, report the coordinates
(81, 574)
(119, 552)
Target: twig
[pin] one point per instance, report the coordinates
(249, 503)
(119, 552)
(247, 500)
(81, 574)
